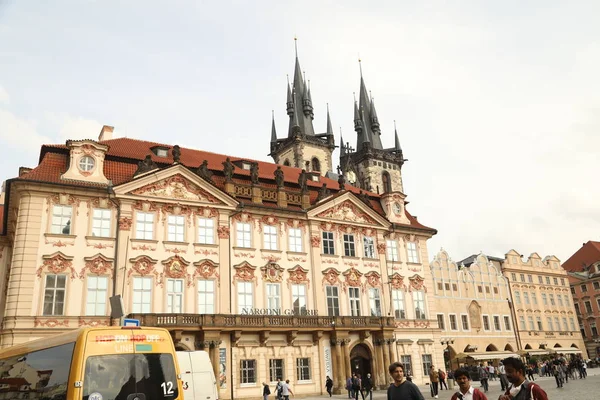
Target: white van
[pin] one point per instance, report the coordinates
(197, 376)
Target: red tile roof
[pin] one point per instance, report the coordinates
(124, 154)
(588, 254)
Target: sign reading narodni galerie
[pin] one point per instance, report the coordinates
(277, 311)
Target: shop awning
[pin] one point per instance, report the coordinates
(566, 350)
(536, 352)
(487, 355)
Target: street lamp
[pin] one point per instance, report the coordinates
(447, 342)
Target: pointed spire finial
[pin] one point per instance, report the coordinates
(329, 127)
(273, 132)
(360, 65)
(396, 140)
(296, 45)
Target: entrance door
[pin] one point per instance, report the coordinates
(360, 360)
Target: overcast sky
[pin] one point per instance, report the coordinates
(497, 103)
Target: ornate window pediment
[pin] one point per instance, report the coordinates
(142, 265)
(205, 269)
(417, 283)
(373, 279)
(57, 263)
(331, 277)
(97, 265)
(244, 272)
(298, 275)
(272, 272)
(347, 211)
(175, 267)
(397, 282)
(353, 278)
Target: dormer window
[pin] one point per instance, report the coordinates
(87, 163)
(315, 178)
(246, 166)
(160, 151)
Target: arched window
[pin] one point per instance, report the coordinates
(287, 162)
(387, 182)
(316, 165)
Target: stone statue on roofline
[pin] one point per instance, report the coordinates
(176, 153)
(279, 179)
(254, 173)
(302, 181)
(144, 166)
(204, 172)
(341, 179)
(323, 192)
(228, 169)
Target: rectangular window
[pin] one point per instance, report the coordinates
(565, 325)
(497, 323)
(544, 299)
(596, 285)
(526, 297)
(273, 296)
(206, 296)
(486, 323)
(562, 281)
(248, 371)
(588, 307)
(555, 281)
(582, 330)
(560, 301)
(333, 301)
(354, 295)
(206, 231)
(441, 322)
(369, 247)
(142, 294)
(584, 288)
(455, 288)
(244, 238)
(54, 294)
(375, 302)
(572, 290)
(447, 286)
(101, 222)
(522, 323)
(299, 299)
(391, 250)
(453, 324)
(540, 280)
(61, 220)
(427, 360)
(513, 276)
(539, 323)
(175, 296)
(487, 289)
(550, 324)
(302, 369)
(557, 323)
(577, 311)
(465, 322)
(522, 276)
(551, 299)
(594, 329)
(413, 255)
(598, 301)
(529, 278)
(517, 298)
(295, 236)
(270, 237)
(531, 325)
(245, 297)
(419, 303)
(399, 309)
(406, 362)
(547, 280)
(144, 226)
(349, 249)
(534, 298)
(97, 288)
(572, 322)
(479, 289)
(275, 369)
(328, 244)
(176, 228)
(506, 323)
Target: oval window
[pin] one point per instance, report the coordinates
(86, 163)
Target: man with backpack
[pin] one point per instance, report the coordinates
(442, 376)
(520, 388)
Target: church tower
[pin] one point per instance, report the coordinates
(370, 166)
(302, 148)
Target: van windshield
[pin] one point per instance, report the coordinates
(145, 376)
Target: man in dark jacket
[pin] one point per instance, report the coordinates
(520, 388)
(402, 389)
(328, 385)
(368, 386)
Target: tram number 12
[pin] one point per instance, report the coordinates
(167, 388)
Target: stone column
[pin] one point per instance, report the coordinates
(214, 355)
(386, 353)
(391, 344)
(381, 369)
(338, 366)
(347, 357)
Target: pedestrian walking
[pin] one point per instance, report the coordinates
(286, 391)
(368, 386)
(434, 379)
(356, 387)
(349, 388)
(442, 376)
(502, 374)
(530, 373)
(465, 390)
(266, 391)
(278, 389)
(328, 385)
(483, 377)
(520, 388)
(402, 389)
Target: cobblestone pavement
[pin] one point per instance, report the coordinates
(576, 389)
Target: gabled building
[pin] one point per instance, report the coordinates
(588, 254)
(585, 288)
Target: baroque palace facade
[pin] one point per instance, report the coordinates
(277, 272)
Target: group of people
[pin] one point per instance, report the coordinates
(563, 369)
(282, 390)
(437, 379)
(356, 384)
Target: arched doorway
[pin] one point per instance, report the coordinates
(491, 347)
(528, 347)
(508, 347)
(360, 360)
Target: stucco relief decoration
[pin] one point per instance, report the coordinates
(417, 283)
(271, 258)
(296, 259)
(100, 202)
(59, 243)
(347, 211)
(353, 278)
(176, 187)
(475, 315)
(57, 263)
(206, 252)
(328, 226)
(125, 223)
(397, 282)
(207, 212)
(145, 205)
(331, 277)
(142, 265)
(421, 324)
(205, 269)
(97, 265)
(381, 248)
(243, 217)
(295, 223)
(223, 232)
(267, 220)
(175, 267)
(244, 272)
(315, 241)
(99, 246)
(298, 275)
(402, 324)
(143, 247)
(371, 265)
(347, 228)
(50, 323)
(176, 209)
(272, 272)
(373, 279)
(94, 322)
(64, 199)
(244, 254)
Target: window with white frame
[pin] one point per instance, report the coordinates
(565, 325)
(275, 369)
(441, 322)
(375, 302)
(175, 296)
(560, 300)
(270, 237)
(538, 320)
(453, 322)
(465, 322)
(144, 225)
(302, 369)
(248, 371)
(176, 228)
(544, 299)
(568, 302)
(273, 296)
(333, 301)
(551, 296)
(61, 220)
(243, 235)
(486, 323)
(550, 324)
(540, 279)
(354, 295)
(534, 298)
(206, 296)
(328, 243)
(406, 362)
(530, 321)
(349, 249)
(54, 294)
(142, 294)
(399, 307)
(369, 247)
(547, 280)
(295, 239)
(506, 323)
(245, 297)
(427, 362)
(517, 298)
(526, 297)
(522, 323)
(419, 303)
(299, 299)
(557, 323)
(391, 250)
(97, 288)
(206, 231)
(413, 255)
(572, 322)
(101, 222)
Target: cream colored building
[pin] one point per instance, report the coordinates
(472, 310)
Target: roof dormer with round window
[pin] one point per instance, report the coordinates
(86, 161)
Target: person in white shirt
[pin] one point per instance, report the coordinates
(502, 373)
(466, 391)
(285, 390)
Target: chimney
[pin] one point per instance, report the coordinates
(106, 133)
